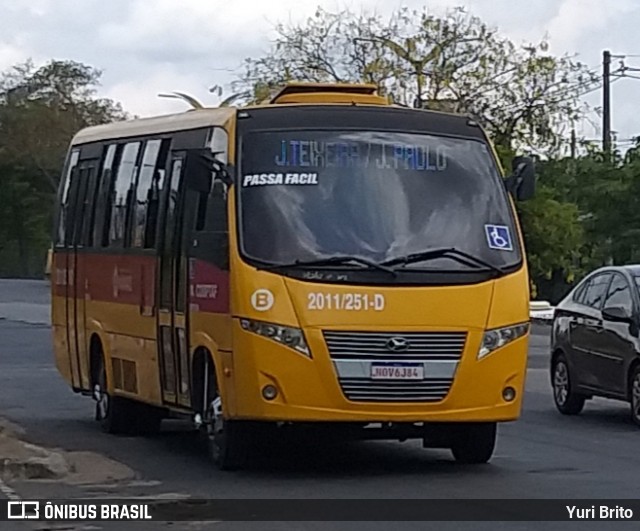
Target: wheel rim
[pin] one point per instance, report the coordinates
(102, 401)
(100, 395)
(215, 426)
(635, 397)
(561, 383)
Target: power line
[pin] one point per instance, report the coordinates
(561, 93)
(625, 76)
(618, 141)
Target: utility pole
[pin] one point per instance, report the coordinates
(606, 102)
(573, 142)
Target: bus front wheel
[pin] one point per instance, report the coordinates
(473, 443)
(227, 440)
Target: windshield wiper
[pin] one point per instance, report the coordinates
(448, 252)
(335, 260)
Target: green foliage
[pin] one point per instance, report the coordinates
(553, 235)
(586, 215)
(454, 62)
(41, 108)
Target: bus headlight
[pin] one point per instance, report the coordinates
(286, 335)
(499, 337)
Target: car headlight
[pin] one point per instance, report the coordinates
(499, 337)
(286, 335)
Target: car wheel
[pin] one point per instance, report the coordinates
(635, 395)
(567, 400)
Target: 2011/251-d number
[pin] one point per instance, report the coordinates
(346, 301)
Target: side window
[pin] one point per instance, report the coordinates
(619, 294)
(103, 205)
(80, 222)
(215, 200)
(169, 230)
(121, 194)
(91, 199)
(63, 212)
(219, 143)
(578, 295)
(596, 291)
(147, 195)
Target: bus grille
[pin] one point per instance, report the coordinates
(421, 346)
(428, 390)
(353, 353)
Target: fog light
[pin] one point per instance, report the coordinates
(509, 394)
(269, 392)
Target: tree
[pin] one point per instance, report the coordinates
(522, 94)
(586, 215)
(41, 108)
(554, 237)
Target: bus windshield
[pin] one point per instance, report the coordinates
(379, 195)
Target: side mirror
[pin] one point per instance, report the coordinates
(522, 181)
(617, 314)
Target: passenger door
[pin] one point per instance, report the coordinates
(618, 343)
(176, 222)
(586, 331)
(82, 184)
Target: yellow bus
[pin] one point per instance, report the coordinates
(325, 259)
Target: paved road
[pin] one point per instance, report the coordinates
(544, 455)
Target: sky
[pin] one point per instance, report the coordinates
(147, 47)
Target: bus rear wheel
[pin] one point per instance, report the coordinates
(473, 443)
(118, 415)
(112, 412)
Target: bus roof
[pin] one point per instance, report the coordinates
(290, 95)
(193, 119)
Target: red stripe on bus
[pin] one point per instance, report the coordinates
(131, 279)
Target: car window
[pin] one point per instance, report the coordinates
(596, 291)
(619, 294)
(578, 294)
(637, 281)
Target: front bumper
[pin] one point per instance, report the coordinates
(309, 389)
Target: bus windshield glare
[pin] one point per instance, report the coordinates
(309, 195)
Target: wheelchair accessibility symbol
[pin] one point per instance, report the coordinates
(498, 237)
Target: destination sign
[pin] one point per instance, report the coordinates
(302, 153)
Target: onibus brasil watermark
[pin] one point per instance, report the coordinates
(63, 511)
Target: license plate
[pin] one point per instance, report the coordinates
(397, 371)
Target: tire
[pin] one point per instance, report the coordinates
(112, 412)
(634, 395)
(228, 441)
(119, 416)
(567, 401)
(474, 443)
